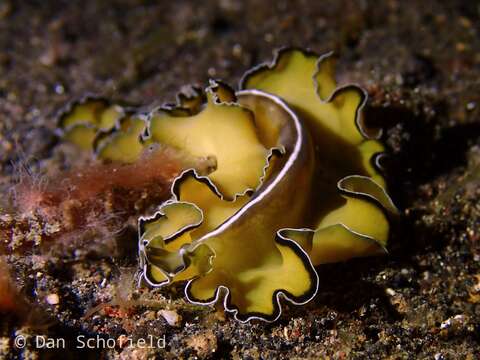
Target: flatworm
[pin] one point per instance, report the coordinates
(294, 183)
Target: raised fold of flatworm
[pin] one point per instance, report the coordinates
(81, 121)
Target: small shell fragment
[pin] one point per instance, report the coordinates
(171, 317)
(53, 299)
